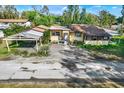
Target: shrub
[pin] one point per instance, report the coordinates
(78, 42)
(15, 29)
(46, 37)
(24, 53)
(33, 54)
(44, 51)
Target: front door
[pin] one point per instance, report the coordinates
(65, 38)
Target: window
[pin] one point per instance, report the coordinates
(105, 38)
(94, 38)
(56, 33)
(78, 34)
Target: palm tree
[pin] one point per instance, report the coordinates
(45, 10)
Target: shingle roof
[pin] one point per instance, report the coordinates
(13, 20)
(89, 30)
(76, 28)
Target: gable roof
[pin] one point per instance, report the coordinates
(90, 30)
(13, 20)
(76, 28)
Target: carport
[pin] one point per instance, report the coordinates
(30, 35)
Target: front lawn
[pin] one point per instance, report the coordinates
(112, 50)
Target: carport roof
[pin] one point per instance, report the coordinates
(26, 35)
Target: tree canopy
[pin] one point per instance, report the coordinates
(73, 14)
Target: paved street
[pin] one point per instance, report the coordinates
(64, 62)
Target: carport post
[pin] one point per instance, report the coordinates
(7, 45)
(17, 43)
(36, 45)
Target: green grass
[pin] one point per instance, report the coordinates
(4, 53)
(116, 49)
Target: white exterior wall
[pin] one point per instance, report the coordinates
(97, 42)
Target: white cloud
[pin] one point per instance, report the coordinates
(64, 8)
(114, 7)
(98, 6)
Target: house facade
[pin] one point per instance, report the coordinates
(90, 34)
(77, 32)
(58, 33)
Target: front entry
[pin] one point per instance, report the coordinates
(65, 38)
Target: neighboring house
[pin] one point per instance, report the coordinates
(112, 32)
(89, 34)
(58, 33)
(5, 23)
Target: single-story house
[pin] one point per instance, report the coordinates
(4, 23)
(89, 34)
(78, 32)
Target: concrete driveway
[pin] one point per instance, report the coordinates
(64, 62)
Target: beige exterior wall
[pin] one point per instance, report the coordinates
(97, 42)
(56, 38)
(73, 37)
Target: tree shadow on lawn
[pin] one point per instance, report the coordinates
(70, 64)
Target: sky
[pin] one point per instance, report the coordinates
(94, 9)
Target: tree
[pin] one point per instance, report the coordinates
(119, 20)
(91, 19)
(46, 37)
(9, 12)
(112, 20)
(106, 19)
(76, 14)
(83, 15)
(45, 10)
(71, 15)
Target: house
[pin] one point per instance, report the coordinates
(5, 23)
(89, 34)
(58, 33)
(78, 32)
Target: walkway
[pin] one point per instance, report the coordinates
(64, 62)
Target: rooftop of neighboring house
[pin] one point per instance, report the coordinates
(89, 30)
(40, 28)
(61, 28)
(13, 20)
(111, 32)
(43, 27)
